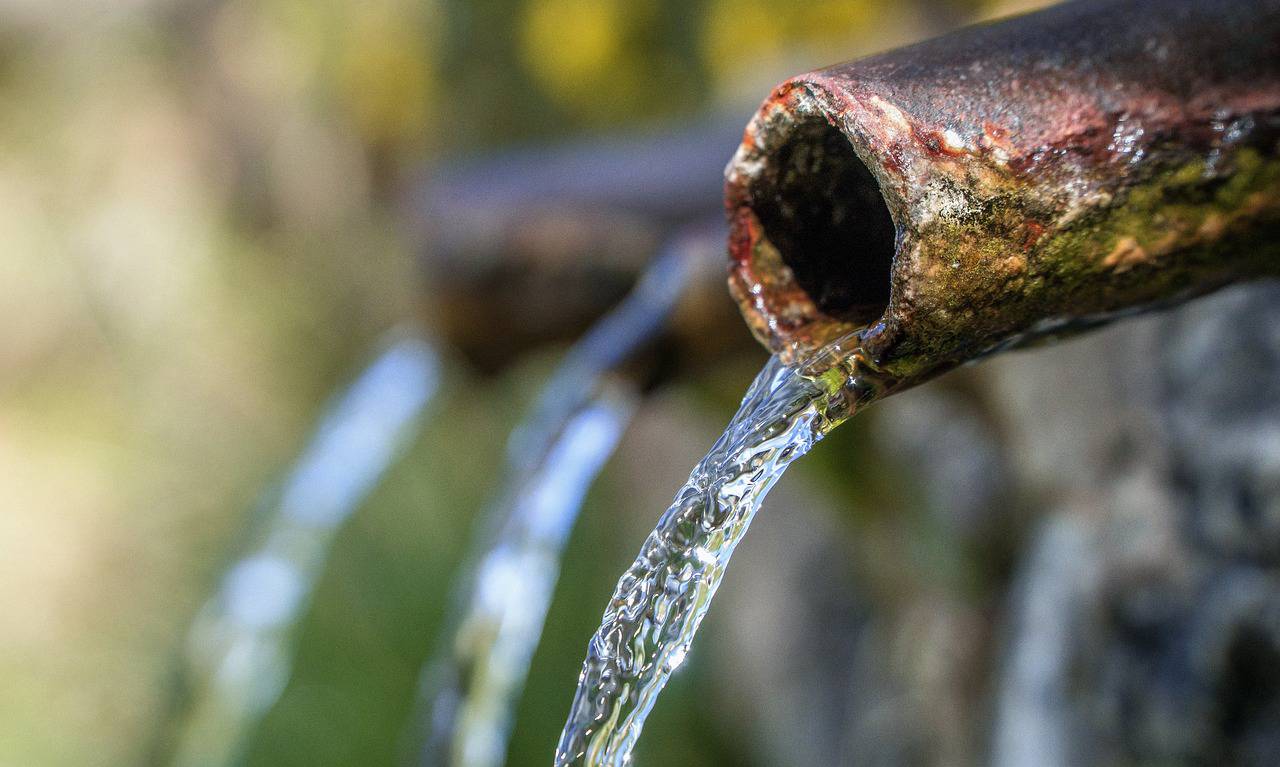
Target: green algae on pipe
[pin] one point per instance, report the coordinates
(1011, 181)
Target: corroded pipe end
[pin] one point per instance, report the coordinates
(1011, 181)
(812, 237)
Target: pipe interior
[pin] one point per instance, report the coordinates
(822, 209)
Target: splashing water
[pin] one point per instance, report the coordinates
(552, 459)
(238, 650)
(661, 600)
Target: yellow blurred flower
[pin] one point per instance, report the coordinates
(591, 56)
(567, 42)
(740, 32)
(737, 30)
(384, 73)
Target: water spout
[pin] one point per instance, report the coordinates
(1011, 181)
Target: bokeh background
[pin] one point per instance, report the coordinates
(205, 232)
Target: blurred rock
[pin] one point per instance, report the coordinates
(1165, 649)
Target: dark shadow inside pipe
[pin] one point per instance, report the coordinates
(822, 209)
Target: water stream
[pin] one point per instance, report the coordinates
(501, 600)
(660, 601)
(238, 653)
(477, 681)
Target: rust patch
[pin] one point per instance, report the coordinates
(1032, 232)
(937, 143)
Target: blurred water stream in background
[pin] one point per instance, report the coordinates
(238, 654)
(553, 456)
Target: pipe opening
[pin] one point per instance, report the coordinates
(822, 209)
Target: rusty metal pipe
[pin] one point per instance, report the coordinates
(1011, 181)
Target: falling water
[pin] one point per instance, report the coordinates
(552, 459)
(662, 598)
(474, 687)
(237, 655)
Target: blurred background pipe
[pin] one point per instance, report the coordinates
(538, 243)
(1011, 181)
